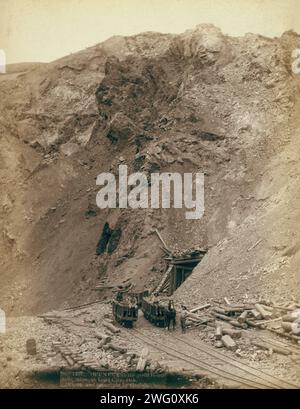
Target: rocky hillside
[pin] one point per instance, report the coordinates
(196, 102)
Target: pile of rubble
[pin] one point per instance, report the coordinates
(101, 345)
(191, 253)
(228, 324)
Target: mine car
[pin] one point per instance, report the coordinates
(125, 313)
(154, 312)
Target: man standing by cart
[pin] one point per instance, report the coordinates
(183, 318)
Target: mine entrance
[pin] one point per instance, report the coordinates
(181, 270)
(178, 269)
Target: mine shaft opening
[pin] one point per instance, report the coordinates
(178, 269)
(180, 272)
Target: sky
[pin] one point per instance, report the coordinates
(44, 30)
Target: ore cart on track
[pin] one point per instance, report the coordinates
(124, 313)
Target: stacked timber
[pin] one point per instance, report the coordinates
(291, 324)
(194, 319)
(244, 316)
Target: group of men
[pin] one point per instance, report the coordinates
(171, 317)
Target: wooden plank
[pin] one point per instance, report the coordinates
(228, 342)
(162, 240)
(187, 261)
(221, 316)
(226, 301)
(265, 314)
(164, 279)
(111, 327)
(200, 308)
(242, 318)
(285, 335)
(142, 362)
(262, 345)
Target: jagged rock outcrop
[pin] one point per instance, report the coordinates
(196, 102)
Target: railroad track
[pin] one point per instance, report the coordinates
(294, 349)
(236, 363)
(212, 362)
(215, 363)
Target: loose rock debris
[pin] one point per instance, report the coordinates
(181, 106)
(88, 339)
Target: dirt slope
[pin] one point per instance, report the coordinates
(199, 101)
(260, 256)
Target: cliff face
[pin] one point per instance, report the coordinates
(195, 102)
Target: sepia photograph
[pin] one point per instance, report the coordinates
(149, 198)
